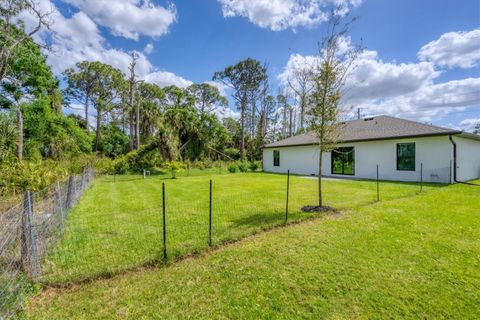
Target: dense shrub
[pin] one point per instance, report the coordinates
(120, 166)
(137, 161)
(243, 167)
(232, 168)
(253, 166)
(114, 141)
(233, 153)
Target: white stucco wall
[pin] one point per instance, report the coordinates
(436, 154)
(468, 159)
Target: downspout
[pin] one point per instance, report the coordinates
(454, 159)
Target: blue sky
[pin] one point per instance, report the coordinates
(191, 39)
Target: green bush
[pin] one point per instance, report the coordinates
(120, 166)
(243, 167)
(232, 168)
(253, 166)
(174, 167)
(104, 165)
(114, 141)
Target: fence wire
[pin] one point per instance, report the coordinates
(113, 232)
(28, 232)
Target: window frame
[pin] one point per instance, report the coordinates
(343, 166)
(414, 156)
(276, 158)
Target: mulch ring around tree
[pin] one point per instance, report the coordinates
(316, 209)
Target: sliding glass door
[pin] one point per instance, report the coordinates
(343, 161)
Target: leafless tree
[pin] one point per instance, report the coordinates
(301, 84)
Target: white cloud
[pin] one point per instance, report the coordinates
(129, 18)
(469, 124)
(223, 88)
(148, 48)
(225, 112)
(453, 49)
(165, 78)
(403, 89)
(78, 39)
(279, 15)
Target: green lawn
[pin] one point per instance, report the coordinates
(413, 258)
(118, 224)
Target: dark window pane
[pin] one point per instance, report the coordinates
(343, 161)
(406, 156)
(276, 158)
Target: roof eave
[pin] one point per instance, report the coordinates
(456, 132)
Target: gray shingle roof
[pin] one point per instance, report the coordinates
(375, 128)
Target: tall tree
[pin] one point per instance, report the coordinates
(150, 98)
(133, 103)
(333, 66)
(27, 76)
(207, 97)
(81, 83)
(244, 78)
(108, 88)
(301, 84)
(10, 25)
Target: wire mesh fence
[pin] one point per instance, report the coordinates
(118, 228)
(28, 231)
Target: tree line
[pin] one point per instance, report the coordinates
(141, 124)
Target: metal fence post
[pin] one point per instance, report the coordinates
(30, 261)
(58, 198)
(84, 173)
(421, 177)
(288, 193)
(70, 192)
(210, 217)
(378, 186)
(164, 223)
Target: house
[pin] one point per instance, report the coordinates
(404, 150)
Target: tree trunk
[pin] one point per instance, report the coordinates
(291, 123)
(131, 130)
(302, 111)
(242, 133)
(87, 98)
(137, 127)
(97, 129)
(320, 194)
(20, 134)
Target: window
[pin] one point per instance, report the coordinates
(343, 161)
(276, 158)
(406, 156)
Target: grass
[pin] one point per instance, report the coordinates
(413, 258)
(118, 224)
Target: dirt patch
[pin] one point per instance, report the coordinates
(315, 209)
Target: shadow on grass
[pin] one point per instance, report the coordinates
(259, 219)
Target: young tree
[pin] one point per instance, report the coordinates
(477, 129)
(207, 97)
(244, 78)
(329, 75)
